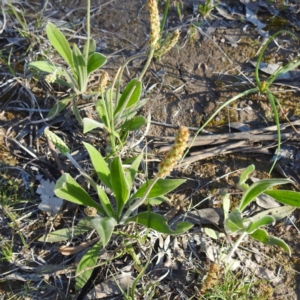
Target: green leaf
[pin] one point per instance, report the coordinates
(105, 202)
(226, 204)
(258, 188)
(90, 124)
(119, 183)
(99, 164)
(43, 66)
(102, 112)
(65, 234)
(59, 106)
(134, 124)
(277, 213)
(67, 188)
(159, 223)
(234, 222)
(213, 233)
(287, 197)
(244, 177)
(266, 220)
(81, 68)
(105, 227)
(157, 200)
(89, 259)
(128, 97)
(60, 43)
(57, 141)
(262, 236)
(133, 169)
(96, 60)
(161, 187)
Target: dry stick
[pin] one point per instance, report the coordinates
(222, 138)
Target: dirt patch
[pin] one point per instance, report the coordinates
(210, 65)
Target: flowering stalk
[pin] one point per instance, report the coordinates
(154, 24)
(103, 81)
(168, 44)
(174, 154)
(164, 168)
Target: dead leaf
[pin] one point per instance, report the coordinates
(50, 204)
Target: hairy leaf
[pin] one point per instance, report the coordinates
(59, 42)
(159, 223)
(161, 187)
(105, 227)
(89, 259)
(287, 197)
(99, 164)
(258, 188)
(95, 61)
(262, 236)
(67, 188)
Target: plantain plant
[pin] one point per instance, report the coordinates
(237, 224)
(120, 207)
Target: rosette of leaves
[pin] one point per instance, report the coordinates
(80, 65)
(238, 225)
(117, 209)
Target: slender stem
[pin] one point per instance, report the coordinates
(251, 91)
(235, 246)
(76, 111)
(146, 66)
(272, 101)
(139, 202)
(88, 29)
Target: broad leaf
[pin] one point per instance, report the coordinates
(258, 188)
(43, 66)
(59, 42)
(159, 223)
(244, 177)
(105, 227)
(65, 234)
(234, 222)
(99, 164)
(90, 124)
(89, 260)
(119, 183)
(130, 96)
(287, 197)
(157, 200)
(67, 188)
(81, 68)
(95, 61)
(277, 213)
(105, 202)
(134, 124)
(161, 187)
(266, 220)
(262, 236)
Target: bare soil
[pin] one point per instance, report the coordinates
(210, 64)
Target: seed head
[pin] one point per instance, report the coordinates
(168, 44)
(154, 24)
(174, 154)
(103, 81)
